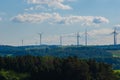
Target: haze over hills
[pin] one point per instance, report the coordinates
(56, 50)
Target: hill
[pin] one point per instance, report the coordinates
(57, 51)
(107, 53)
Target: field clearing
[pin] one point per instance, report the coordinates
(117, 71)
(116, 53)
(11, 75)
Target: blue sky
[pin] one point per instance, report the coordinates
(24, 19)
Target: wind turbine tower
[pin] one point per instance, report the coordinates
(60, 40)
(86, 37)
(78, 36)
(115, 36)
(22, 42)
(40, 35)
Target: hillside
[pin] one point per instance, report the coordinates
(57, 51)
(53, 68)
(107, 53)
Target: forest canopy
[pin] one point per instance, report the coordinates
(54, 68)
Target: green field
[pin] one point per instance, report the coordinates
(117, 73)
(11, 75)
(116, 53)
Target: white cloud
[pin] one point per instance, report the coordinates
(31, 18)
(50, 3)
(101, 32)
(86, 20)
(38, 7)
(100, 20)
(56, 18)
(118, 25)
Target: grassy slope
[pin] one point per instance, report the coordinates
(10, 75)
(117, 73)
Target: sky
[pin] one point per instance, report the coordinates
(24, 19)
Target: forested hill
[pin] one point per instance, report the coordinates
(57, 51)
(53, 68)
(60, 51)
(7, 47)
(108, 54)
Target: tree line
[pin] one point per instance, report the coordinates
(54, 68)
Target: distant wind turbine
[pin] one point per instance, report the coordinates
(22, 42)
(115, 36)
(60, 40)
(78, 38)
(40, 35)
(86, 37)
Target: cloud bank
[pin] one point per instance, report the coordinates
(59, 4)
(100, 32)
(87, 20)
(32, 18)
(56, 18)
(118, 25)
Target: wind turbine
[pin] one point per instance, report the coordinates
(60, 40)
(78, 37)
(86, 37)
(22, 42)
(115, 36)
(40, 35)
